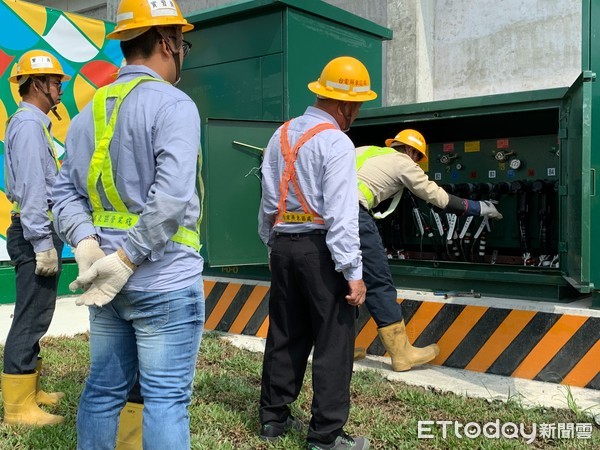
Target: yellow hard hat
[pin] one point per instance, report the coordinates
(413, 139)
(38, 62)
(346, 79)
(135, 17)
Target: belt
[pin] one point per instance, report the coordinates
(305, 233)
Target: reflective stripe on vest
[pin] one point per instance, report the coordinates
(16, 208)
(369, 153)
(372, 152)
(101, 167)
(289, 176)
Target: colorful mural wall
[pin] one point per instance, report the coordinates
(84, 53)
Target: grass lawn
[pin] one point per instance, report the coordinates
(225, 402)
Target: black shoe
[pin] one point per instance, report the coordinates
(343, 442)
(274, 430)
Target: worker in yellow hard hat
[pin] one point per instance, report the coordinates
(39, 68)
(126, 199)
(31, 165)
(383, 173)
(308, 219)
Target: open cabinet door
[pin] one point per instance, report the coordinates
(232, 190)
(576, 182)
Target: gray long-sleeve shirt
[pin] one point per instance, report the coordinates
(154, 154)
(30, 170)
(326, 172)
(388, 174)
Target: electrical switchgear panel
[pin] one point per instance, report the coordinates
(520, 175)
(521, 151)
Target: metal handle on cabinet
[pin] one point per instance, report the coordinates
(253, 147)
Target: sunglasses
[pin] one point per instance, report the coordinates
(186, 47)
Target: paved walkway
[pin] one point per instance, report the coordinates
(70, 320)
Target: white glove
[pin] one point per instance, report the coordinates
(489, 210)
(87, 252)
(46, 263)
(107, 277)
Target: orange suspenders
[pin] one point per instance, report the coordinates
(289, 176)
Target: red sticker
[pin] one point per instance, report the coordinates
(531, 173)
(449, 147)
(473, 175)
(502, 143)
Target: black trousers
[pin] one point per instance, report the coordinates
(382, 298)
(34, 306)
(307, 308)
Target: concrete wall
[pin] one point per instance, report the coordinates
(97, 9)
(487, 47)
(445, 49)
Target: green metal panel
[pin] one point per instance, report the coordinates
(591, 61)
(251, 272)
(230, 75)
(7, 281)
(311, 42)
(233, 191)
(314, 7)
(246, 89)
(492, 280)
(272, 87)
(466, 107)
(252, 60)
(576, 182)
(235, 38)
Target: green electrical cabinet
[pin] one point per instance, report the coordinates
(545, 188)
(530, 151)
(577, 187)
(536, 154)
(590, 125)
(248, 73)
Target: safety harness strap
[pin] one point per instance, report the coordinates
(289, 176)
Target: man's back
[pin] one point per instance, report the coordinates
(153, 153)
(327, 177)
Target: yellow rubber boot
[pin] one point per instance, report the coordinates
(42, 397)
(360, 353)
(404, 355)
(129, 436)
(20, 408)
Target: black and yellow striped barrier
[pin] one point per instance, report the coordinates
(546, 346)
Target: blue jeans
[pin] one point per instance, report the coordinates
(157, 333)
